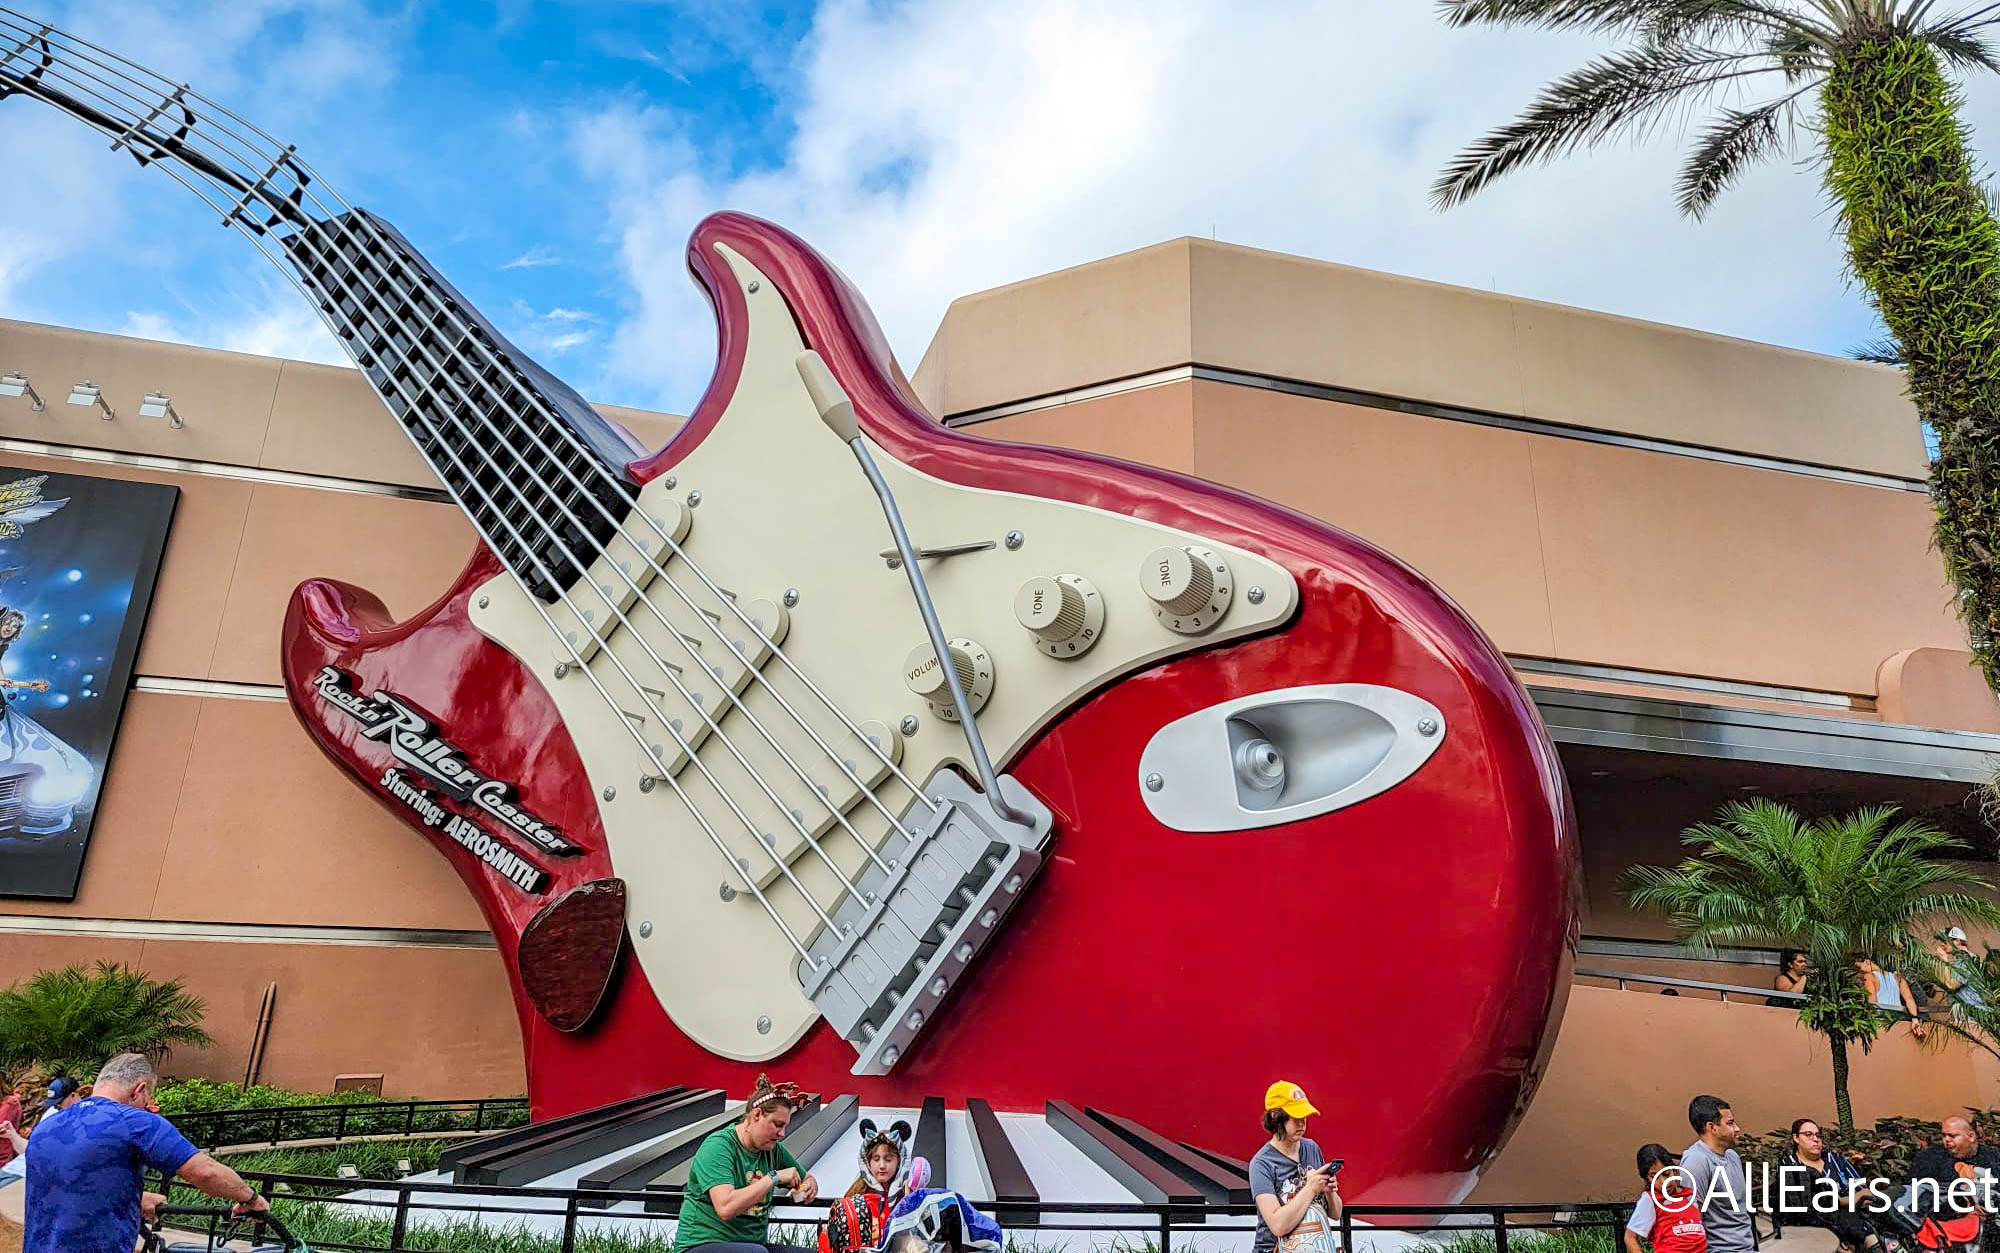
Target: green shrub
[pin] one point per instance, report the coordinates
(71, 1021)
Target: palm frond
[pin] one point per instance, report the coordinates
(68, 1021)
(1674, 18)
(1623, 92)
(1882, 351)
(1964, 23)
(1963, 50)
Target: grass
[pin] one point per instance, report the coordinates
(375, 1159)
(1579, 1240)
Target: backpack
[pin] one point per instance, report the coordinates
(854, 1223)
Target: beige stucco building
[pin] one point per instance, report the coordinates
(1708, 559)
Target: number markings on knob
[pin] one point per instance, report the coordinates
(1064, 614)
(1190, 587)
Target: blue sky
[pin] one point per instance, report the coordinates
(551, 158)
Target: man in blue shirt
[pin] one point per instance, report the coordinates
(86, 1171)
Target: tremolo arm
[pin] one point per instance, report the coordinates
(952, 878)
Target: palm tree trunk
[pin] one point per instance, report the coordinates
(1843, 1110)
(1922, 239)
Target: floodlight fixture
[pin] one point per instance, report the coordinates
(87, 393)
(158, 405)
(16, 384)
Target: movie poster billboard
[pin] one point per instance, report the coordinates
(78, 557)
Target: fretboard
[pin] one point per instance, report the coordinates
(531, 463)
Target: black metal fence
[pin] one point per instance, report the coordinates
(565, 1216)
(343, 1120)
(399, 1216)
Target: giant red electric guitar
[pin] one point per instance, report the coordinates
(832, 742)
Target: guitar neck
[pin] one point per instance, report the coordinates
(538, 471)
(536, 468)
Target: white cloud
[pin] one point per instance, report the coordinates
(533, 258)
(281, 325)
(943, 148)
(550, 334)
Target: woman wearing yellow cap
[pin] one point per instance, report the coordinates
(1298, 1197)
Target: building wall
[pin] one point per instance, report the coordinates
(1626, 1064)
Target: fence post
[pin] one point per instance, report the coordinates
(1166, 1230)
(409, 1119)
(569, 1225)
(479, 1114)
(1499, 1231)
(401, 1227)
(277, 1126)
(340, 1127)
(1346, 1230)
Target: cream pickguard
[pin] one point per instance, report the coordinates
(773, 510)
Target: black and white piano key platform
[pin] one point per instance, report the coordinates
(1066, 1156)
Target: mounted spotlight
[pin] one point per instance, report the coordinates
(86, 393)
(157, 405)
(16, 384)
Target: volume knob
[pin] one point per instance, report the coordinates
(924, 676)
(1064, 613)
(1189, 587)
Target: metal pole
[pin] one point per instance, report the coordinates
(340, 1126)
(479, 1114)
(1166, 1230)
(569, 1225)
(401, 1228)
(409, 1118)
(1346, 1230)
(1499, 1231)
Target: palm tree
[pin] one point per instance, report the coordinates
(68, 1021)
(1838, 888)
(1866, 79)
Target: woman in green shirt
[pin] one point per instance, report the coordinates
(727, 1206)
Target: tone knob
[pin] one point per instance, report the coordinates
(1065, 614)
(1189, 587)
(923, 675)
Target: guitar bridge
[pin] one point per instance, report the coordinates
(879, 974)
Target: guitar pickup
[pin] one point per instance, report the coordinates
(879, 973)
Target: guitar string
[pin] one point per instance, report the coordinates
(796, 818)
(290, 159)
(714, 837)
(306, 242)
(562, 464)
(670, 672)
(821, 794)
(806, 835)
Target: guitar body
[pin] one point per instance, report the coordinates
(1405, 957)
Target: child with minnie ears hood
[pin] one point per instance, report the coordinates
(856, 1221)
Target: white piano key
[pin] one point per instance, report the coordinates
(963, 1158)
(1060, 1171)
